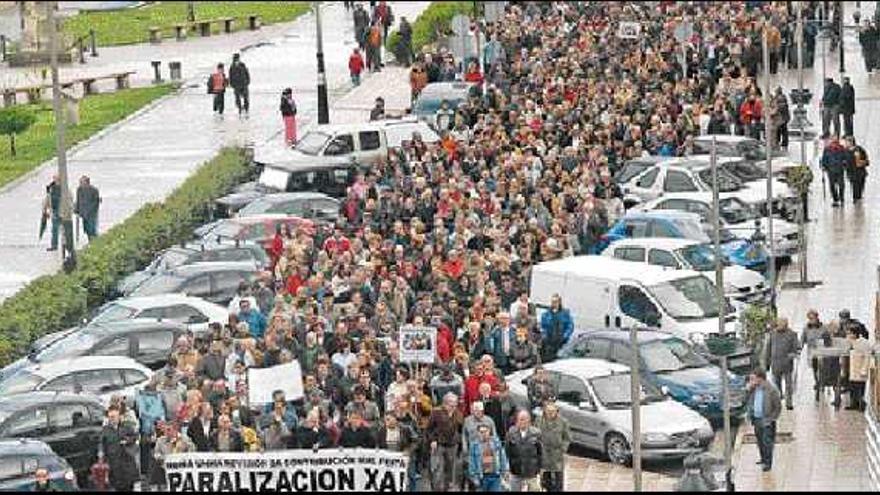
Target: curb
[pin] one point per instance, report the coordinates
(91, 139)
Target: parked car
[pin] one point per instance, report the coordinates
(594, 397)
(731, 145)
(147, 341)
(434, 94)
(670, 363)
(602, 292)
(193, 313)
(100, 375)
(19, 460)
(364, 142)
(70, 424)
(694, 174)
(213, 282)
(196, 252)
(741, 285)
(258, 229)
(310, 205)
(737, 217)
(682, 225)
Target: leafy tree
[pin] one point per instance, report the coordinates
(15, 120)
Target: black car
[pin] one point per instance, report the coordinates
(214, 282)
(69, 423)
(146, 340)
(196, 252)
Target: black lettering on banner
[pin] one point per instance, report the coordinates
(388, 484)
(300, 481)
(275, 463)
(189, 484)
(327, 480)
(224, 482)
(283, 483)
(174, 481)
(346, 480)
(267, 478)
(372, 479)
(206, 482)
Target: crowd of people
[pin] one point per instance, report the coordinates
(444, 235)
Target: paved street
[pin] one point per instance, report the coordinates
(145, 157)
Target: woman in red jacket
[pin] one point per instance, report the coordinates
(473, 74)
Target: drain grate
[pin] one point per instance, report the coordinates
(781, 437)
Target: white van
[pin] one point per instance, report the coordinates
(603, 292)
(365, 142)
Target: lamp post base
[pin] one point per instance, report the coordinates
(808, 284)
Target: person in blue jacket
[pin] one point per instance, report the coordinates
(556, 328)
(487, 464)
(252, 316)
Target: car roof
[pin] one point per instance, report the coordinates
(55, 368)
(453, 88)
(17, 402)
(138, 324)
(289, 196)
(669, 243)
(697, 161)
(725, 138)
(586, 368)
(662, 214)
(643, 335)
(262, 217)
(608, 268)
(365, 126)
(143, 302)
(26, 446)
(649, 160)
(213, 266)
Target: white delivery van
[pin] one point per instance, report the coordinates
(606, 293)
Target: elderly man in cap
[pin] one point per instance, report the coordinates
(780, 352)
(87, 201)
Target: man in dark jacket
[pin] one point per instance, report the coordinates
(763, 406)
(834, 162)
(355, 434)
(847, 106)
(87, 201)
(556, 328)
(831, 107)
(404, 48)
(213, 365)
(555, 438)
(52, 209)
(780, 353)
(858, 170)
(525, 454)
(311, 435)
(240, 79)
(201, 428)
(361, 23)
(445, 435)
(225, 438)
(115, 439)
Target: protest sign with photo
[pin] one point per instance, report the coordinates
(336, 470)
(263, 381)
(418, 344)
(628, 29)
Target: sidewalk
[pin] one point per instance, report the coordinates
(590, 475)
(827, 451)
(145, 157)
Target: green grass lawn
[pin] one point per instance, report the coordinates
(123, 27)
(96, 112)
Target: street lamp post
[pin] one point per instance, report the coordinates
(768, 135)
(636, 401)
(323, 106)
(840, 35)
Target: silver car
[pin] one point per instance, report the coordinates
(594, 396)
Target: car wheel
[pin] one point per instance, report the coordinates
(617, 449)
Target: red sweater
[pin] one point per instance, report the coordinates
(355, 63)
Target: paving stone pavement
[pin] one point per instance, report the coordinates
(146, 156)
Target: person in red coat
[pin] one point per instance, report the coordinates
(445, 341)
(453, 267)
(751, 114)
(473, 74)
(473, 382)
(356, 66)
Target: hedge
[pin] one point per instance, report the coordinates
(431, 23)
(55, 302)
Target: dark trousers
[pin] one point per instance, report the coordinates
(847, 123)
(857, 178)
(774, 62)
(831, 115)
(56, 226)
(90, 225)
(782, 135)
(242, 99)
(856, 395)
(838, 187)
(219, 102)
(766, 437)
(553, 481)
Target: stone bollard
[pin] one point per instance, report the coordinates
(174, 68)
(2, 48)
(155, 35)
(93, 43)
(253, 22)
(157, 77)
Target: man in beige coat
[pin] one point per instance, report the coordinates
(859, 364)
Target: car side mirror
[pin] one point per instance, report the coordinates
(586, 406)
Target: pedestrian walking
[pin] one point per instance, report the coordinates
(525, 453)
(847, 106)
(374, 47)
(869, 38)
(860, 357)
(780, 116)
(780, 352)
(751, 114)
(557, 326)
(487, 461)
(858, 171)
(812, 338)
(355, 66)
(444, 436)
(404, 46)
(834, 163)
(383, 15)
(288, 115)
(361, 20)
(217, 84)
(88, 200)
(830, 106)
(240, 79)
(116, 437)
(763, 405)
(555, 438)
(52, 210)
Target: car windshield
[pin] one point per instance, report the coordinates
(691, 230)
(629, 171)
(613, 391)
(689, 298)
(734, 210)
(744, 171)
(255, 208)
(668, 355)
(73, 345)
(22, 381)
(228, 230)
(755, 150)
(700, 257)
(159, 284)
(426, 106)
(169, 259)
(312, 143)
(726, 182)
(114, 312)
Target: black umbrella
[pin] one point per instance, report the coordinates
(43, 220)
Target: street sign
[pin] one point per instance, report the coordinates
(461, 25)
(629, 30)
(683, 31)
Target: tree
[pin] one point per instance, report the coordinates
(15, 120)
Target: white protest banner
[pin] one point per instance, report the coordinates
(628, 29)
(418, 344)
(331, 470)
(263, 381)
